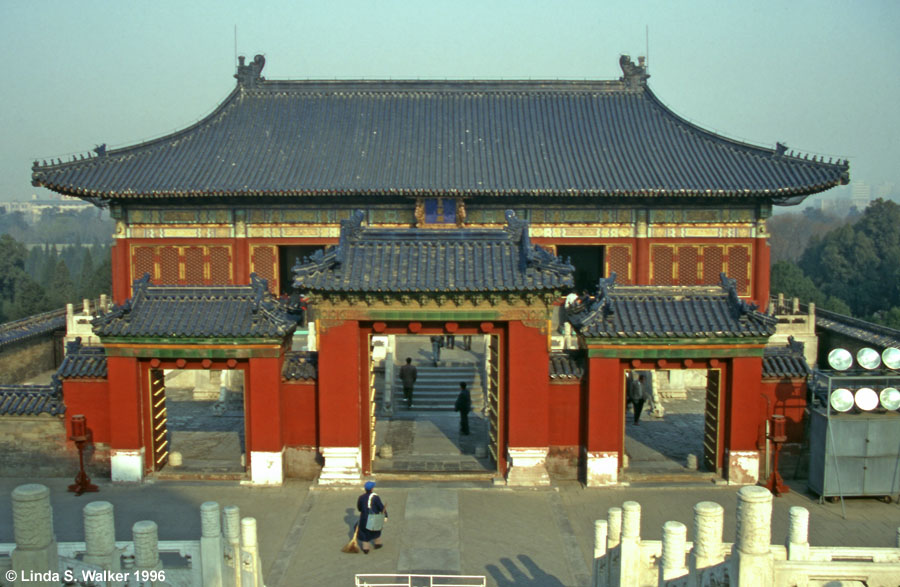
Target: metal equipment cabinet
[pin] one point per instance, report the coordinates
(854, 454)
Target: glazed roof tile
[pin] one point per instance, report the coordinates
(175, 312)
(865, 332)
(31, 400)
(32, 326)
(377, 137)
(565, 366)
(671, 312)
(433, 260)
(82, 362)
(785, 362)
(300, 366)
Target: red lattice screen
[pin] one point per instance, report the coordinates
(739, 267)
(618, 259)
(263, 262)
(688, 265)
(142, 262)
(713, 264)
(168, 266)
(193, 266)
(662, 262)
(219, 266)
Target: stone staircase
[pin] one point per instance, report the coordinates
(437, 387)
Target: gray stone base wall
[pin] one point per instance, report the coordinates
(35, 446)
(562, 462)
(22, 361)
(302, 462)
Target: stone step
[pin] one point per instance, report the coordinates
(437, 387)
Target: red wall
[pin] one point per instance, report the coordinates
(787, 397)
(125, 402)
(604, 425)
(263, 404)
(741, 420)
(527, 374)
(339, 385)
(565, 414)
(89, 398)
(298, 413)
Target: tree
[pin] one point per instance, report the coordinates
(86, 275)
(788, 279)
(61, 290)
(860, 262)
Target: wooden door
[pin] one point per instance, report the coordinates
(159, 430)
(494, 404)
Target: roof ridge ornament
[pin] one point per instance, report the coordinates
(634, 76)
(248, 76)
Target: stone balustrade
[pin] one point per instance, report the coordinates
(217, 559)
(622, 558)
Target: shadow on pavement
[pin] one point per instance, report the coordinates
(524, 574)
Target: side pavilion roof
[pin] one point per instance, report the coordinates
(648, 312)
(490, 138)
(413, 261)
(173, 312)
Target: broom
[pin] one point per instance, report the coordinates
(352, 546)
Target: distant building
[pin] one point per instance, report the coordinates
(33, 209)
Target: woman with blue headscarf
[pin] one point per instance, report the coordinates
(372, 515)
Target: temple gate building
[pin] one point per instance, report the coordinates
(435, 207)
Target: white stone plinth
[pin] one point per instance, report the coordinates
(266, 468)
(527, 467)
(343, 466)
(743, 467)
(127, 465)
(602, 468)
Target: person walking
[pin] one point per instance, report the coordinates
(450, 341)
(640, 393)
(408, 374)
(463, 405)
(372, 516)
(437, 341)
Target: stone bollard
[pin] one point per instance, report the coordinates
(600, 570)
(798, 534)
(35, 556)
(674, 543)
(100, 536)
(232, 556)
(898, 537)
(211, 549)
(752, 562)
(146, 547)
(630, 547)
(692, 462)
(709, 518)
(387, 451)
(614, 538)
(251, 569)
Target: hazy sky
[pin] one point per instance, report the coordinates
(822, 77)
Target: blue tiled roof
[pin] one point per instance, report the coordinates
(197, 312)
(82, 362)
(439, 261)
(31, 400)
(671, 312)
(554, 138)
(784, 362)
(565, 366)
(866, 332)
(32, 326)
(299, 366)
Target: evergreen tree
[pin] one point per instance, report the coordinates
(30, 299)
(86, 275)
(61, 290)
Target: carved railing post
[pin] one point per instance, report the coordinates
(709, 518)
(251, 569)
(100, 536)
(36, 550)
(614, 517)
(798, 535)
(752, 561)
(630, 547)
(211, 551)
(232, 557)
(146, 547)
(673, 557)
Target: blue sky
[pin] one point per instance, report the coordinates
(822, 77)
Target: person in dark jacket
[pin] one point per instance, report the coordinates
(463, 405)
(369, 503)
(640, 391)
(408, 374)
